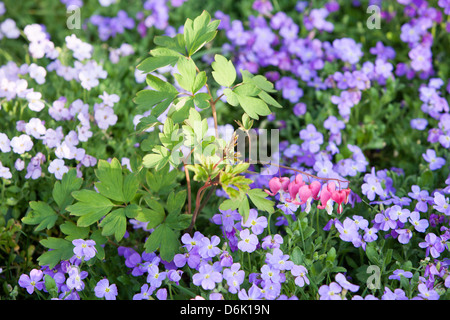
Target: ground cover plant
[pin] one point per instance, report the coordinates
(256, 150)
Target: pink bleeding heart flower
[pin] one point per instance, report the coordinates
(304, 193)
(339, 197)
(315, 188)
(293, 190)
(285, 183)
(275, 185)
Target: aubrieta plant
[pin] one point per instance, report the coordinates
(166, 186)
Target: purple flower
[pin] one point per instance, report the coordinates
(435, 162)
(21, 144)
(419, 124)
(344, 283)
(400, 272)
(207, 277)
(419, 224)
(279, 260)
(299, 109)
(330, 292)
(433, 245)
(397, 213)
(254, 293)
(84, 249)
(348, 230)
(272, 242)
(190, 242)
(257, 224)
(370, 234)
(404, 235)
(104, 290)
(208, 248)
(154, 277)
(426, 293)
(234, 277)
(384, 222)
(441, 203)
(146, 292)
(300, 272)
(248, 241)
(33, 281)
(333, 124)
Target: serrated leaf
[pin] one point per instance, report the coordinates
(258, 197)
(199, 82)
(254, 107)
(115, 223)
(146, 123)
(224, 72)
(61, 250)
(73, 231)
(62, 189)
(164, 239)
(175, 43)
(198, 32)
(175, 202)
(187, 72)
(201, 100)
(111, 179)
(161, 57)
(91, 207)
(157, 100)
(153, 217)
(50, 286)
(41, 214)
(130, 187)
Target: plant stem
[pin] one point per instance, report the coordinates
(188, 181)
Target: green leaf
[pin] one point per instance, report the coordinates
(269, 100)
(177, 221)
(259, 81)
(244, 208)
(175, 202)
(153, 217)
(130, 187)
(199, 82)
(254, 107)
(180, 110)
(99, 242)
(62, 189)
(161, 57)
(229, 205)
(157, 100)
(201, 100)
(41, 214)
(164, 239)
(91, 207)
(132, 211)
(187, 72)
(198, 32)
(146, 123)
(61, 250)
(111, 179)
(258, 198)
(297, 256)
(73, 231)
(176, 43)
(156, 160)
(50, 286)
(224, 72)
(115, 223)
